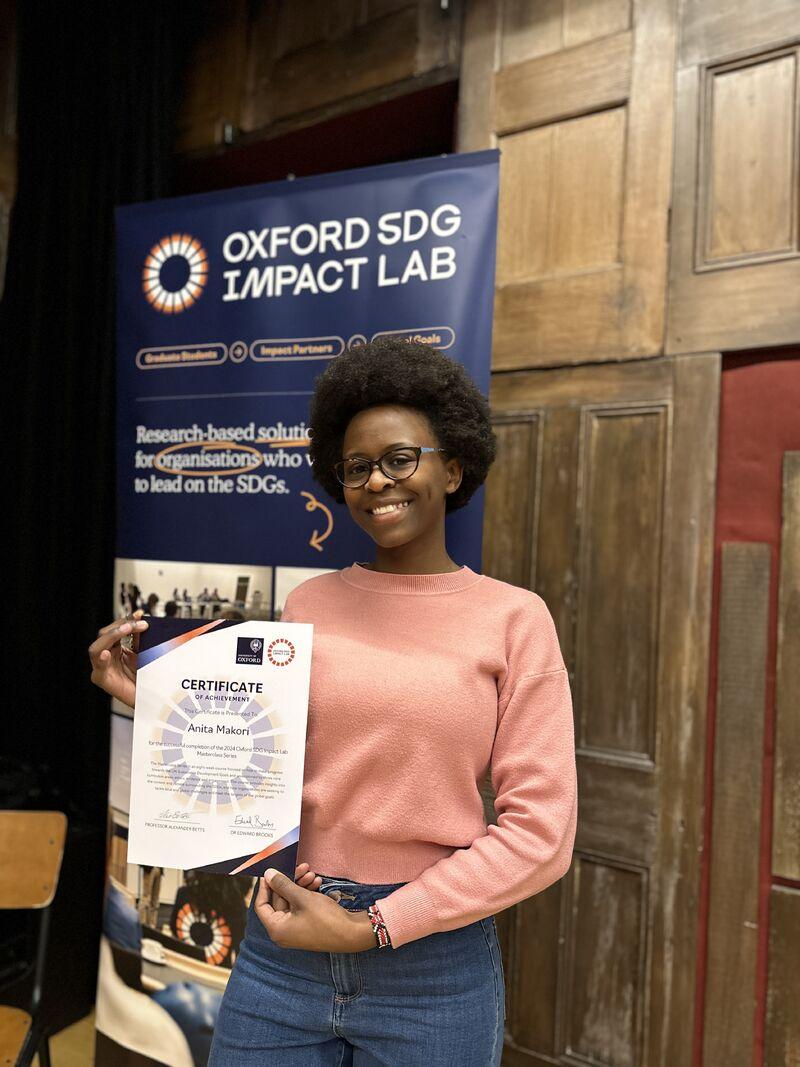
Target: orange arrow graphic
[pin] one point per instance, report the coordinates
(317, 538)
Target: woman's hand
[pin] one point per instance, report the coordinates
(305, 877)
(296, 918)
(113, 666)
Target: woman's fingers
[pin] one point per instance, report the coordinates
(263, 895)
(114, 664)
(306, 878)
(111, 635)
(121, 621)
(116, 624)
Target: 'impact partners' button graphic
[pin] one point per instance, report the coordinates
(296, 348)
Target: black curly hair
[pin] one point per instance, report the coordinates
(394, 371)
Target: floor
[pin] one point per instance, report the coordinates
(73, 1047)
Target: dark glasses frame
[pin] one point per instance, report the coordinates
(339, 468)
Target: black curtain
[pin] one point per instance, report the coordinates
(98, 85)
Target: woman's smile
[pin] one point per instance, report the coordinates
(388, 512)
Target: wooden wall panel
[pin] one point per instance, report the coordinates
(562, 85)
(623, 478)
(557, 536)
(533, 974)
(366, 58)
(726, 27)
(782, 1035)
(558, 24)
(480, 53)
(586, 22)
(683, 692)
(581, 109)
(786, 796)
(522, 37)
(275, 65)
(509, 537)
(606, 1004)
(557, 217)
(748, 184)
(585, 225)
(735, 260)
(632, 796)
(526, 168)
(736, 813)
(553, 320)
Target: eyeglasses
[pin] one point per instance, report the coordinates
(397, 464)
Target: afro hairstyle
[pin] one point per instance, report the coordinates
(394, 371)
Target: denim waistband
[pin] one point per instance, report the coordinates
(357, 892)
(329, 879)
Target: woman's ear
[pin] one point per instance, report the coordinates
(455, 472)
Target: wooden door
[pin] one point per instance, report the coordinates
(601, 500)
(577, 94)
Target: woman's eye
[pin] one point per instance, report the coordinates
(401, 460)
(356, 468)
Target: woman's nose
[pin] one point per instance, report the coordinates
(377, 480)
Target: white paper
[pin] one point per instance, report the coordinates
(219, 748)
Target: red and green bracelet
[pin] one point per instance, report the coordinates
(379, 927)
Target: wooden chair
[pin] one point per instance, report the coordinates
(31, 849)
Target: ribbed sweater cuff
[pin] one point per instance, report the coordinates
(408, 914)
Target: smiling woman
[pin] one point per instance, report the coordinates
(426, 677)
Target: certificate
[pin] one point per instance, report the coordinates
(219, 745)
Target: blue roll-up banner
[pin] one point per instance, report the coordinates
(230, 305)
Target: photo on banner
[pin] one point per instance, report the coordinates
(230, 305)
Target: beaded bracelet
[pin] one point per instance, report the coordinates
(379, 927)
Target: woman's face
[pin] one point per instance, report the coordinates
(370, 434)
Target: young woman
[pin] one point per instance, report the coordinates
(426, 676)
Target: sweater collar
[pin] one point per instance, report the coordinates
(380, 582)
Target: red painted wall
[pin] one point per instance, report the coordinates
(759, 421)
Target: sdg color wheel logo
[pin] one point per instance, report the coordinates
(175, 273)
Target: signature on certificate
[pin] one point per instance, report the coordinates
(252, 820)
(174, 815)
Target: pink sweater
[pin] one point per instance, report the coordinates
(420, 684)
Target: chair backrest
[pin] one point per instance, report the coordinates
(31, 849)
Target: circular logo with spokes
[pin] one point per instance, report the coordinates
(175, 273)
(280, 652)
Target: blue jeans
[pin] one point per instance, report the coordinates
(434, 1002)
